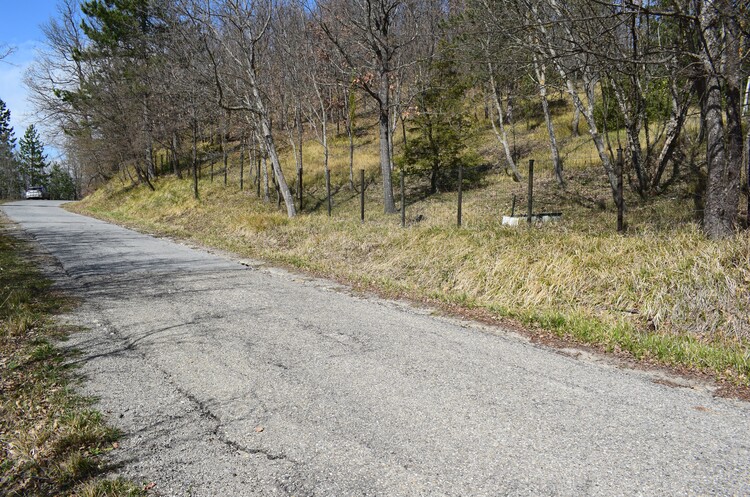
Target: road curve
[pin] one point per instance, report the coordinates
(232, 379)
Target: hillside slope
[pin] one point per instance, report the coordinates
(660, 293)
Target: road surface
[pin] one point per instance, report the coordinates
(239, 379)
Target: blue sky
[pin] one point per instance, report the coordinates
(20, 27)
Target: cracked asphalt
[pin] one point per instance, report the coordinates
(233, 378)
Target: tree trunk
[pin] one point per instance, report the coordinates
(350, 133)
(501, 134)
(194, 160)
(733, 96)
(298, 122)
(395, 113)
(270, 147)
(242, 162)
(555, 152)
(224, 153)
(148, 152)
(266, 190)
(747, 171)
(269, 144)
(723, 152)
(633, 127)
(588, 114)
(671, 135)
(324, 142)
(389, 205)
(175, 156)
(717, 216)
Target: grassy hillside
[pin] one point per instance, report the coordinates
(660, 293)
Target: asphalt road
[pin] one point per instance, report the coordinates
(239, 379)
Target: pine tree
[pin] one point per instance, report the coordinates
(441, 127)
(61, 185)
(126, 34)
(10, 181)
(6, 130)
(33, 161)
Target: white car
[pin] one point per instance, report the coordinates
(36, 192)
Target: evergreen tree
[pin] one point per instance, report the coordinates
(10, 181)
(61, 185)
(33, 161)
(6, 130)
(127, 38)
(441, 126)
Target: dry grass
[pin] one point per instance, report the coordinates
(662, 292)
(50, 439)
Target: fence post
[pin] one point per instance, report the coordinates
(460, 193)
(278, 189)
(212, 170)
(328, 191)
(403, 201)
(362, 195)
(226, 163)
(257, 177)
(531, 190)
(242, 163)
(620, 197)
(513, 206)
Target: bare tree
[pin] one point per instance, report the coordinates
(540, 71)
(234, 31)
(309, 79)
(369, 35)
(6, 51)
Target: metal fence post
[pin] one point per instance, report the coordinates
(257, 177)
(242, 163)
(362, 195)
(620, 197)
(328, 191)
(531, 190)
(460, 193)
(299, 186)
(403, 201)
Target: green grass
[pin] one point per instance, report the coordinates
(51, 441)
(661, 293)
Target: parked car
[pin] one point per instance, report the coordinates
(36, 192)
